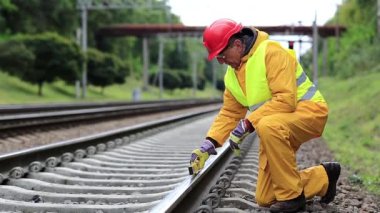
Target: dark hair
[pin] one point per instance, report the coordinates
(239, 36)
(246, 36)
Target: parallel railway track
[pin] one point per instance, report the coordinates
(19, 116)
(141, 168)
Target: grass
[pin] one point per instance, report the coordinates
(353, 127)
(15, 91)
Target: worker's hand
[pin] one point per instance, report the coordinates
(199, 156)
(243, 129)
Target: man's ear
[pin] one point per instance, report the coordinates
(238, 43)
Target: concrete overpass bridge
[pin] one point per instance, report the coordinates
(143, 30)
(147, 31)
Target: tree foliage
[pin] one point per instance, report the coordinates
(358, 49)
(14, 56)
(105, 69)
(35, 17)
(47, 56)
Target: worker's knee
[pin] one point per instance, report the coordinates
(269, 125)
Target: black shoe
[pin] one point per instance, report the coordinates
(292, 205)
(333, 172)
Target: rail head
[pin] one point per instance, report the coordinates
(8, 109)
(184, 188)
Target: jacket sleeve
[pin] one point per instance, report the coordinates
(227, 118)
(281, 75)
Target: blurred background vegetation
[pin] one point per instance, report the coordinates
(40, 61)
(40, 37)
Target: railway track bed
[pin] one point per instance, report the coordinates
(146, 171)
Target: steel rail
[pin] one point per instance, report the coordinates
(172, 200)
(6, 109)
(42, 118)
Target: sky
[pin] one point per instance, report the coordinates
(258, 13)
(254, 13)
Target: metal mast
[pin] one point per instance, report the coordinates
(315, 52)
(378, 19)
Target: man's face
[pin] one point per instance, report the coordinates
(231, 55)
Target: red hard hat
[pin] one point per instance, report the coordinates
(216, 36)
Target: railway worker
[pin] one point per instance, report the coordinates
(268, 92)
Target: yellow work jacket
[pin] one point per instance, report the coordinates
(257, 89)
(280, 75)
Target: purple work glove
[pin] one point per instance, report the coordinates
(243, 128)
(199, 156)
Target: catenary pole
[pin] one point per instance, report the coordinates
(84, 49)
(160, 65)
(315, 52)
(378, 19)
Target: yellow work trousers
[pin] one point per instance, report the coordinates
(280, 137)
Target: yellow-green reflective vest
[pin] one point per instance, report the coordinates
(256, 83)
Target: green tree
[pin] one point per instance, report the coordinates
(55, 58)
(171, 79)
(15, 57)
(38, 16)
(358, 49)
(105, 69)
(122, 70)
(62, 17)
(186, 79)
(99, 74)
(178, 57)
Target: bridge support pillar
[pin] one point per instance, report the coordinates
(145, 62)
